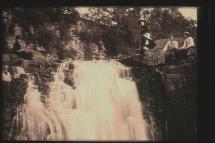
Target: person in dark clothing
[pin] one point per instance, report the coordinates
(17, 49)
(144, 28)
(146, 41)
(17, 46)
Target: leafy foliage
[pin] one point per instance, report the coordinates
(45, 21)
(117, 27)
(125, 29)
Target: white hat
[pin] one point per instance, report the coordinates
(147, 35)
(186, 33)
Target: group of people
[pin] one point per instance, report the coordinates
(171, 48)
(174, 52)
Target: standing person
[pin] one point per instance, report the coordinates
(170, 47)
(144, 27)
(146, 40)
(6, 80)
(183, 52)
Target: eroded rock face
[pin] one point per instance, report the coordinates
(153, 97)
(18, 89)
(181, 90)
(169, 94)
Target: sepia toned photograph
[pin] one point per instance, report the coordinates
(99, 73)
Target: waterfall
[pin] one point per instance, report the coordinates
(104, 105)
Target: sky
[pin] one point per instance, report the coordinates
(189, 12)
(186, 11)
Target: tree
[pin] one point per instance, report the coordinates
(40, 19)
(168, 20)
(122, 27)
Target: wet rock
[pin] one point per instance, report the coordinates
(168, 94)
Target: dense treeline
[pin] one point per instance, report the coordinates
(49, 27)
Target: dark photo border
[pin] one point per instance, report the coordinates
(204, 54)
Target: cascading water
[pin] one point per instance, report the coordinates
(103, 106)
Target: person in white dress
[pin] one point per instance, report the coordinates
(188, 45)
(170, 48)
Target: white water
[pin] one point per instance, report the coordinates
(103, 106)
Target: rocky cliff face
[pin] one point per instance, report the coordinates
(181, 90)
(169, 95)
(41, 69)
